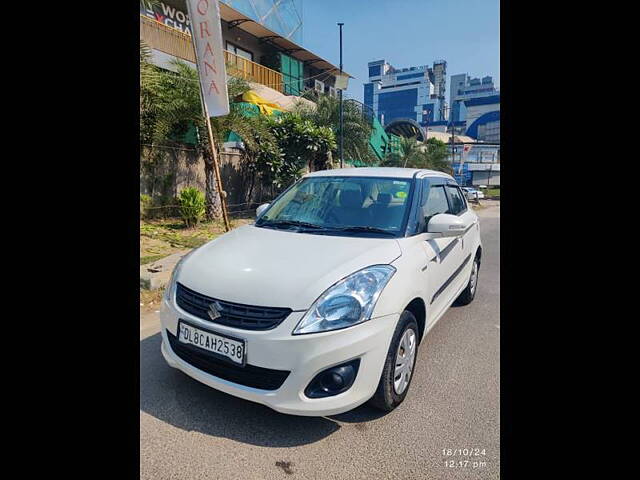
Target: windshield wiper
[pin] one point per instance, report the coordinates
(289, 223)
(356, 228)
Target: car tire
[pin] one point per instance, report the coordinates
(469, 293)
(387, 396)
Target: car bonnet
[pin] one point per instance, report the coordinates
(279, 268)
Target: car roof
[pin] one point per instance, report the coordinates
(392, 172)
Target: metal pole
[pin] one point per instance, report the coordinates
(214, 150)
(453, 152)
(341, 152)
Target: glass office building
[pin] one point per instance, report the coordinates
(281, 16)
(414, 93)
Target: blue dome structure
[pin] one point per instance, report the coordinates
(488, 117)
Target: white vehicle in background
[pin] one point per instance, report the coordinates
(472, 194)
(321, 304)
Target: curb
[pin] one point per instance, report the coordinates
(156, 274)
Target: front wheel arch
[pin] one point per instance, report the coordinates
(419, 310)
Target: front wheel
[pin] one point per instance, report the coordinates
(399, 365)
(469, 293)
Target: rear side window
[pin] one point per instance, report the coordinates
(458, 204)
(435, 203)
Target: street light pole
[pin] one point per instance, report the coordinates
(340, 154)
(453, 151)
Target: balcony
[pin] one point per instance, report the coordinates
(252, 72)
(173, 42)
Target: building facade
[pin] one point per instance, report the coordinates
(476, 102)
(261, 40)
(476, 164)
(462, 88)
(483, 118)
(415, 93)
(282, 16)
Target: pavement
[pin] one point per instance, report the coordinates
(190, 431)
(156, 275)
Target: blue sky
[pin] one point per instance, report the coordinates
(406, 33)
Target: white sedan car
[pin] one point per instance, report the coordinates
(321, 305)
(472, 193)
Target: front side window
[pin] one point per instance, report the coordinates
(435, 202)
(342, 205)
(458, 205)
(239, 51)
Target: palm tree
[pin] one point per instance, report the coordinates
(149, 82)
(357, 128)
(437, 153)
(176, 105)
(410, 155)
(431, 154)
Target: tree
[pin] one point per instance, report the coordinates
(149, 82)
(262, 160)
(304, 145)
(410, 155)
(437, 153)
(431, 155)
(170, 105)
(357, 127)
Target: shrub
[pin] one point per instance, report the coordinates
(145, 203)
(192, 206)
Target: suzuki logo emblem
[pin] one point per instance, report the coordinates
(213, 311)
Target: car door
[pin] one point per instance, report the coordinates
(443, 254)
(466, 243)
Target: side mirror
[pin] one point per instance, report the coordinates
(446, 225)
(260, 210)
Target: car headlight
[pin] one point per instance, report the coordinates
(171, 286)
(348, 302)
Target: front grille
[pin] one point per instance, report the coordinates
(232, 314)
(249, 375)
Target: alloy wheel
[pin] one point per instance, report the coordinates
(473, 281)
(404, 361)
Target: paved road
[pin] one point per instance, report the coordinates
(189, 431)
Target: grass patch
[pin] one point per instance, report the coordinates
(150, 259)
(492, 192)
(151, 299)
(162, 237)
(179, 238)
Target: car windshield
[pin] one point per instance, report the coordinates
(366, 206)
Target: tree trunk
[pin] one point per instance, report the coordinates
(213, 205)
(250, 190)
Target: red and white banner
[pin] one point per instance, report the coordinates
(207, 38)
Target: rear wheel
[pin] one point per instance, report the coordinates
(399, 366)
(469, 293)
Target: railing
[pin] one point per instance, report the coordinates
(166, 39)
(173, 42)
(254, 72)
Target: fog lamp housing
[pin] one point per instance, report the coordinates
(333, 380)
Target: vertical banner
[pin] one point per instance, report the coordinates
(207, 38)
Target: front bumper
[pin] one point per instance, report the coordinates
(303, 355)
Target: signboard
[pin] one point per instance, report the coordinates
(487, 156)
(207, 39)
(167, 15)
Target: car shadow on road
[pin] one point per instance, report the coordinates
(175, 398)
(364, 413)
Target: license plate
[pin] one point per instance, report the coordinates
(231, 348)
